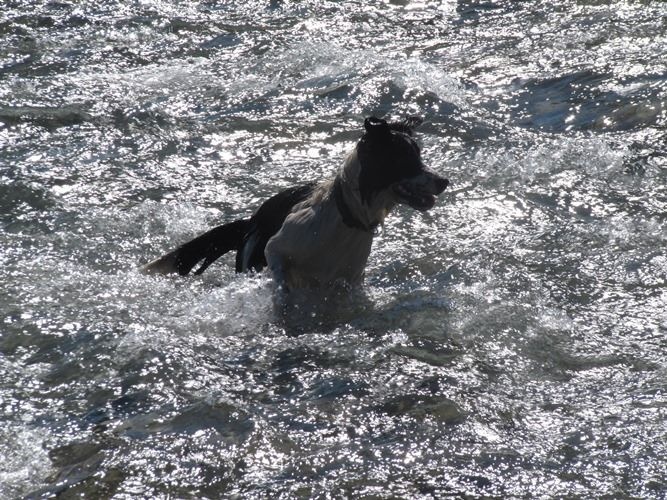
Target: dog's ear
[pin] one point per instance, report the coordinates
(408, 125)
(376, 127)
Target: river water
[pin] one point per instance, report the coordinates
(509, 343)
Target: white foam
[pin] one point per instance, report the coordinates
(317, 65)
(243, 303)
(198, 309)
(415, 73)
(25, 463)
(590, 156)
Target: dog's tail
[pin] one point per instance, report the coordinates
(207, 247)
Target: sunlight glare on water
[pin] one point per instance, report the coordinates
(508, 343)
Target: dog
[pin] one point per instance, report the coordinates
(320, 234)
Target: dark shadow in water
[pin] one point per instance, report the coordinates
(323, 311)
(46, 116)
(579, 101)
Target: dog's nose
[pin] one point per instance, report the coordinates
(441, 184)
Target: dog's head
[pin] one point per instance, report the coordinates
(391, 164)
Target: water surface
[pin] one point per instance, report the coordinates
(509, 343)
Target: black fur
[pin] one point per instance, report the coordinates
(211, 245)
(267, 221)
(258, 229)
(388, 154)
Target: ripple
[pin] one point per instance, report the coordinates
(508, 343)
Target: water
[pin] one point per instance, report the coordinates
(510, 343)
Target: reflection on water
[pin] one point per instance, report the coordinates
(508, 343)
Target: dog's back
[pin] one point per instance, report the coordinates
(247, 236)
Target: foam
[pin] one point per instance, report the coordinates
(25, 461)
(590, 156)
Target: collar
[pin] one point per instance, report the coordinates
(348, 217)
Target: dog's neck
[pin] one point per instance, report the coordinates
(350, 219)
(356, 213)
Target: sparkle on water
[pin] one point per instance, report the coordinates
(511, 342)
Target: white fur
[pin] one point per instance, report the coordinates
(314, 247)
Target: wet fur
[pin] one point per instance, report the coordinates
(321, 234)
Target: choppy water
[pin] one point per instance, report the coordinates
(510, 343)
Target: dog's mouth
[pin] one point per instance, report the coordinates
(417, 197)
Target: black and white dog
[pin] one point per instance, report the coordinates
(320, 234)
